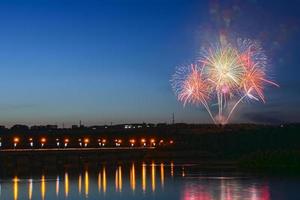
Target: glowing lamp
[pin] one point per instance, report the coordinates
(16, 140)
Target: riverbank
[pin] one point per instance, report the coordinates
(30, 162)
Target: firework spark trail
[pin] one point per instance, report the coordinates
(190, 87)
(223, 72)
(236, 104)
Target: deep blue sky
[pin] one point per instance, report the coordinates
(111, 61)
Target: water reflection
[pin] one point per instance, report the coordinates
(66, 185)
(229, 190)
(118, 179)
(172, 169)
(153, 176)
(162, 175)
(104, 180)
(43, 187)
(79, 184)
(144, 177)
(86, 183)
(15, 181)
(57, 186)
(30, 189)
(99, 181)
(136, 181)
(183, 172)
(132, 177)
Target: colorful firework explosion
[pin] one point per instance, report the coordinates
(224, 73)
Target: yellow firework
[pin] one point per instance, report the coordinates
(223, 67)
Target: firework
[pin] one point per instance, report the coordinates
(191, 87)
(224, 73)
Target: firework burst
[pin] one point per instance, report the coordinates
(223, 73)
(191, 87)
(222, 67)
(194, 88)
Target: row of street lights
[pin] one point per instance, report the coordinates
(86, 141)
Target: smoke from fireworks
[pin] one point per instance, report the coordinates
(223, 74)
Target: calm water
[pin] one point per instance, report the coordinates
(149, 181)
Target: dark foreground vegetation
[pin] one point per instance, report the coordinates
(244, 145)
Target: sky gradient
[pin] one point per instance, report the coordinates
(111, 61)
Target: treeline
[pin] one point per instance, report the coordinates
(230, 141)
(235, 142)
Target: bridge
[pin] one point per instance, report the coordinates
(80, 150)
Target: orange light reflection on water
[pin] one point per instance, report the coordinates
(66, 185)
(172, 169)
(153, 176)
(162, 175)
(86, 184)
(99, 181)
(118, 179)
(79, 184)
(57, 186)
(144, 178)
(43, 187)
(15, 187)
(132, 177)
(104, 183)
(217, 188)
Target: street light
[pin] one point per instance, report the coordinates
(152, 141)
(103, 142)
(16, 141)
(143, 141)
(31, 142)
(66, 142)
(161, 142)
(118, 142)
(43, 141)
(57, 142)
(132, 142)
(86, 141)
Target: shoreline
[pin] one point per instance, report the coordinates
(30, 162)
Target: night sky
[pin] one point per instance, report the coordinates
(112, 61)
